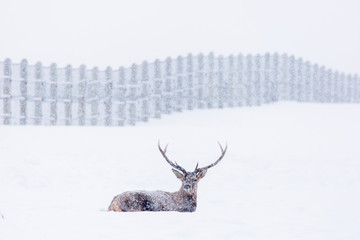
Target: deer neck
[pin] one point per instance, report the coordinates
(185, 202)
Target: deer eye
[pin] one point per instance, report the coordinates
(187, 186)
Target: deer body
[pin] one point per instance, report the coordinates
(184, 200)
(153, 201)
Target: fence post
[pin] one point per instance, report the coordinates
(168, 94)
(132, 97)
(189, 82)
(145, 90)
(239, 83)
(356, 91)
(299, 80)
(7, 92)
(179, 84)
(274, 87)
(284, 68)
(108, 96)
(322, 78)
(199, 85)
(23, 91)
(38, 94)
(157, 89)
(230, 82)
(308, 88)
(353, 89)
(335, 89)
(257, 81)
(348, 89)
(267, 82)
(121, 105)
(68, 95)
(328, 97)
(341, 87)
(200, 81)
(53, 94)
(220, 82)
(210, 82)
(94, 96)
(81, 98)
(315, 74)
(249, 81)
(291, 80)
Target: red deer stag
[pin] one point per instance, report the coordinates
(183, 200)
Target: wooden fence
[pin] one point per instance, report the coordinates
(49, 95)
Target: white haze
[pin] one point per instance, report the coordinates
(119, 33)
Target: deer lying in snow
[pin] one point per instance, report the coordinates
(183, 200)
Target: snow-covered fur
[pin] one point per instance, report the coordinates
(183, 200)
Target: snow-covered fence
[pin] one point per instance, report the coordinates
(40, 95)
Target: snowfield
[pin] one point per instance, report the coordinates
(292, 171)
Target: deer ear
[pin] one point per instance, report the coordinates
(201, 174)
(178, 174)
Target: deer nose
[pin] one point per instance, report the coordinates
(187, 186)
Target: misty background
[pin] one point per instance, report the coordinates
(119, 33)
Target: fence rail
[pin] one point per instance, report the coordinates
(40, 95)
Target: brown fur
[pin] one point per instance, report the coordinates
(115, 205)
(184, 200)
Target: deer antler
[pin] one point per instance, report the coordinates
(223, 151)
(174, 165)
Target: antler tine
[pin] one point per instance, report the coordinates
(165, 147)
(174, 165)
(196, 168)
(223, 151)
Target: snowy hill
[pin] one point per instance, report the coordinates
(292, 171)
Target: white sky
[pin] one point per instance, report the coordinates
(115, 33)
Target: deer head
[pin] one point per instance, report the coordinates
(190, 179)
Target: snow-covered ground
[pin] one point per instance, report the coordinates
(292, 171)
